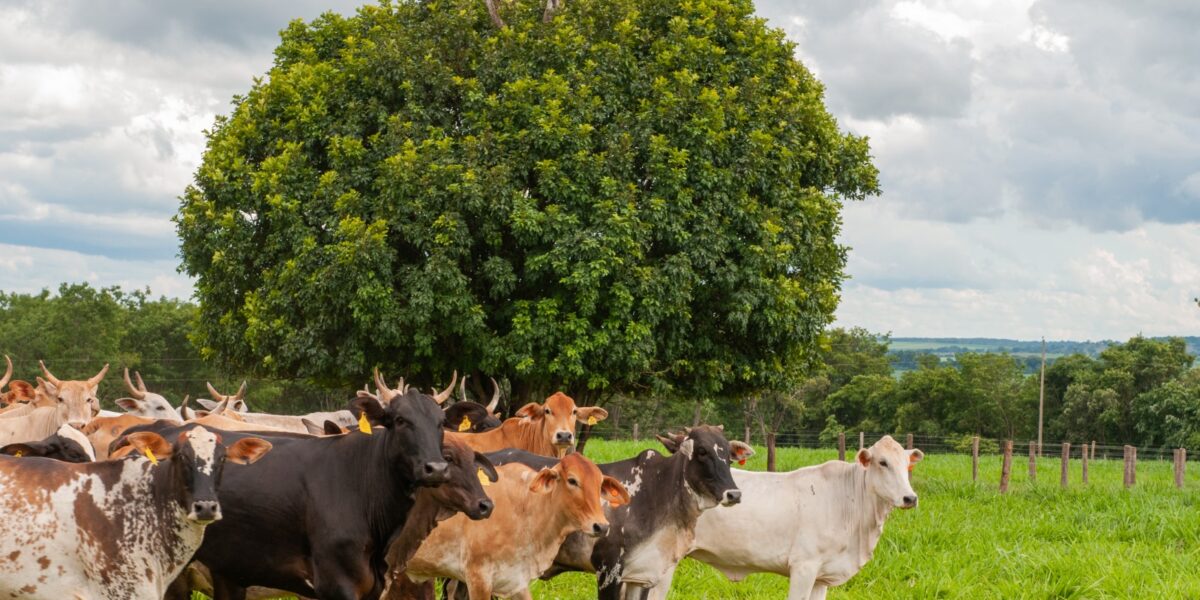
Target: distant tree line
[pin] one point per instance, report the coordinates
(1143, 391)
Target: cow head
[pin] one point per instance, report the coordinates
(144, 403)
(67, 444)
(413, 426)
(464, 491)
(709, 456)
(197, 460)
(579, 486)
(465, 415)
(557, 417)
(76, 401)
(887, 464)
(235, 402)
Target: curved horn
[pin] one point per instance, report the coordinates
(7, 373)
(133, 391)
(462, 388)
(241, 393)
(385, 393)
(491, 407)
(98, 377)
(49, 376)
(401, 387)
(441, 396)
(141, 384)
(218, 396)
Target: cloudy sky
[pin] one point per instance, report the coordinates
(1040, 159)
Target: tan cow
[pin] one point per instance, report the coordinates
(534, 513)
(76, 401)
(102, 431)
(547, 429)
(19, 392)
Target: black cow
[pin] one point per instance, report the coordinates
(648, 536)
(67, 445)
(317, 519)
(474, 417)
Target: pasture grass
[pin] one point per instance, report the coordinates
(965, 540)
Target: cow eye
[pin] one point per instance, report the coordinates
(60, 400)
(574, 482)
(701, 452)
(547, 411)
(883, 463)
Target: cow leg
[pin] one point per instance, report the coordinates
(479, 588)
(802, 580)
(224, 589)
(341, 572)
(634, 591)
(818, 592)
(660, 591)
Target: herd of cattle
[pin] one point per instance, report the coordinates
(381, 499)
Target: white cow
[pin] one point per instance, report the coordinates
(817, 525)
(144, 403)
(35, 425)
(293, 423)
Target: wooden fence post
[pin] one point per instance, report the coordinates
(908, 442)
(1084, 458)
(747, 438)
(1133, 466)
(1127, 481)
(1066, 459)
(1032, 461)
(975, 458)
(842, 446)
(1006, 466)
(1093, 456)
(1178, 469)
(862, 440)
(771, 451)
(635, 431)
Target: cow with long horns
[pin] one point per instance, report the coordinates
(75, 400)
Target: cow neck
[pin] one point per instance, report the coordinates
(531, 438)
(180, 536)
(550, 534)
(389, 493)
(421, 521)
(867, 515)
(672, 473)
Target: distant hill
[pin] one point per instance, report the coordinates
(905, 350)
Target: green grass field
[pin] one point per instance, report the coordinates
(965, 540)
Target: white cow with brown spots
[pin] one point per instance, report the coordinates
(818, 525)
(111, 530)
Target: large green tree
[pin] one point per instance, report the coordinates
(636, 194)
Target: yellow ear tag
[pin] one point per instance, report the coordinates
(364, 425)
(465, 425)
(150, 455)
(592, 420)
(483, 478)
(18, 454)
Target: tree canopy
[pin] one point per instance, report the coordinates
(634, 195)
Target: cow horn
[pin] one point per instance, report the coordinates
(218, 396)
(462, 388)
(441, 396)
(491, 407)
(49, 376)
(141, 384)
(401, 387)
(385, 393)
(98, 377)
(7, 373)
(241, 393)
(133, 391)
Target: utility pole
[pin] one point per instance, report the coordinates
(1042, 396)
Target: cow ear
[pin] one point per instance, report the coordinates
(614, 492)
(533, 410)
(46, 385)
(127, 403)
(587, 413)
(21, 450)
(739, 451)
(864, 457)
(313, 428)
(247, 450)
(915, 456)
(332, 428)
(209, 404)
(146, 440)
(370, 407)
(488, 468)
(670, 442)
(544, 481)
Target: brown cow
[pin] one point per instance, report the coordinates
(535, 511)
(19, 392)
(102, 431)
(76, 400)
(547, 429)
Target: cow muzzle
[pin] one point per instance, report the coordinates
(564, 438)
(598, 530)
(731, 497)
(433, 473)
(482, 511)
(205, 511)
(908, 501)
